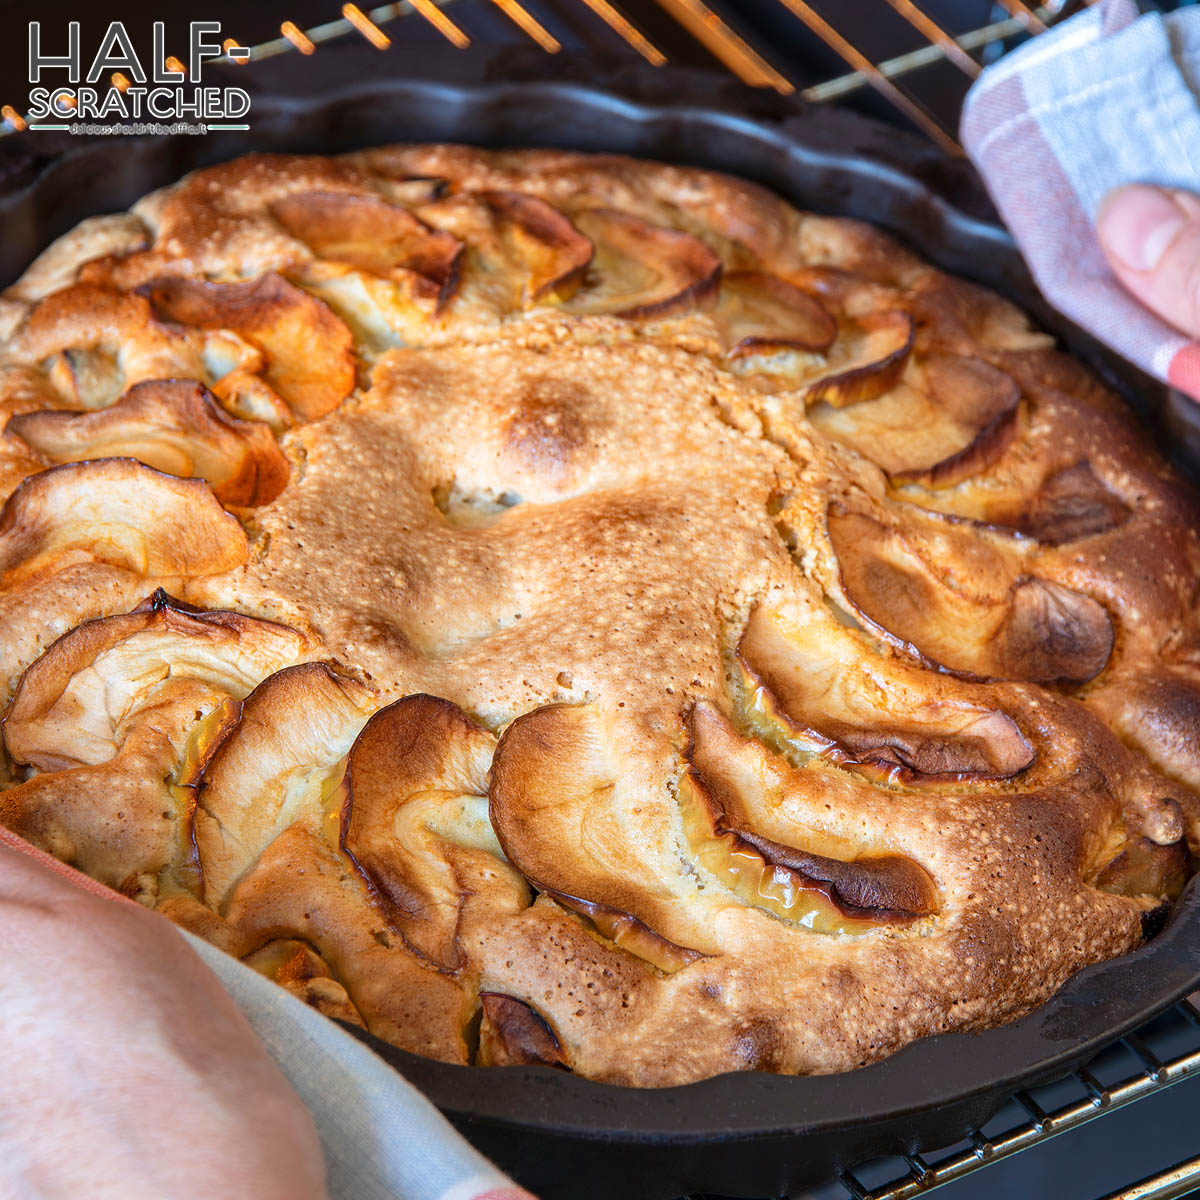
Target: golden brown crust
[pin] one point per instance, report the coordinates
(659, 632)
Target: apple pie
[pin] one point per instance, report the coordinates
(550, 608)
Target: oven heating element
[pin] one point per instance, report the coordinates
(1167, 1050)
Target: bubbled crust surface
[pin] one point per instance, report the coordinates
(614, 547)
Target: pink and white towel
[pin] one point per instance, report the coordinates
(1106, 98)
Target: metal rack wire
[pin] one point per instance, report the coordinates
(1155, 1058)
(1165, 1052)
(705, 25)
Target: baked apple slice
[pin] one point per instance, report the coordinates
(89, 376)
(173, 425)
(58, 265)
(805, 686)
(302, 889)
(1143, 867)
(120, 512)
(205, 737)
(975, 409)
(414, 190)
(952, 418)
(281, 762)
(93, 343)
(249, 397)
(299, 969)
(1052, 504)
(1071, 504)
(520, 250)
(1054, 633)
(630, 934)
(846, 891)
(567, 822)
(117, 718)
(309, 351)
(413, 820)
(867, 360)
(962, 605)
(372, 235)
(1145, 854)
(642, 270)
(534, 234)
(74, 704)
(121, 821)
(1155, 708)
(867, 356)
(513, 1033)
(760, 313)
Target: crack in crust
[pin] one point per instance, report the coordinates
(682, 634)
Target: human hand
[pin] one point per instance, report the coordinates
(128, 1070)
(1151, 238)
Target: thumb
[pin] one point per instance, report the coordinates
(1151, 238)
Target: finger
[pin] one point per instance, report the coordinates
(1151, 238)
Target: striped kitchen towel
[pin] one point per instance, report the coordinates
(382, 1140)
(1106, 98)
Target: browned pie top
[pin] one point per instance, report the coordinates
(559, 609)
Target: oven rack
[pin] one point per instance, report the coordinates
(1159, 1055)
(741, 58)
(699, 20)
